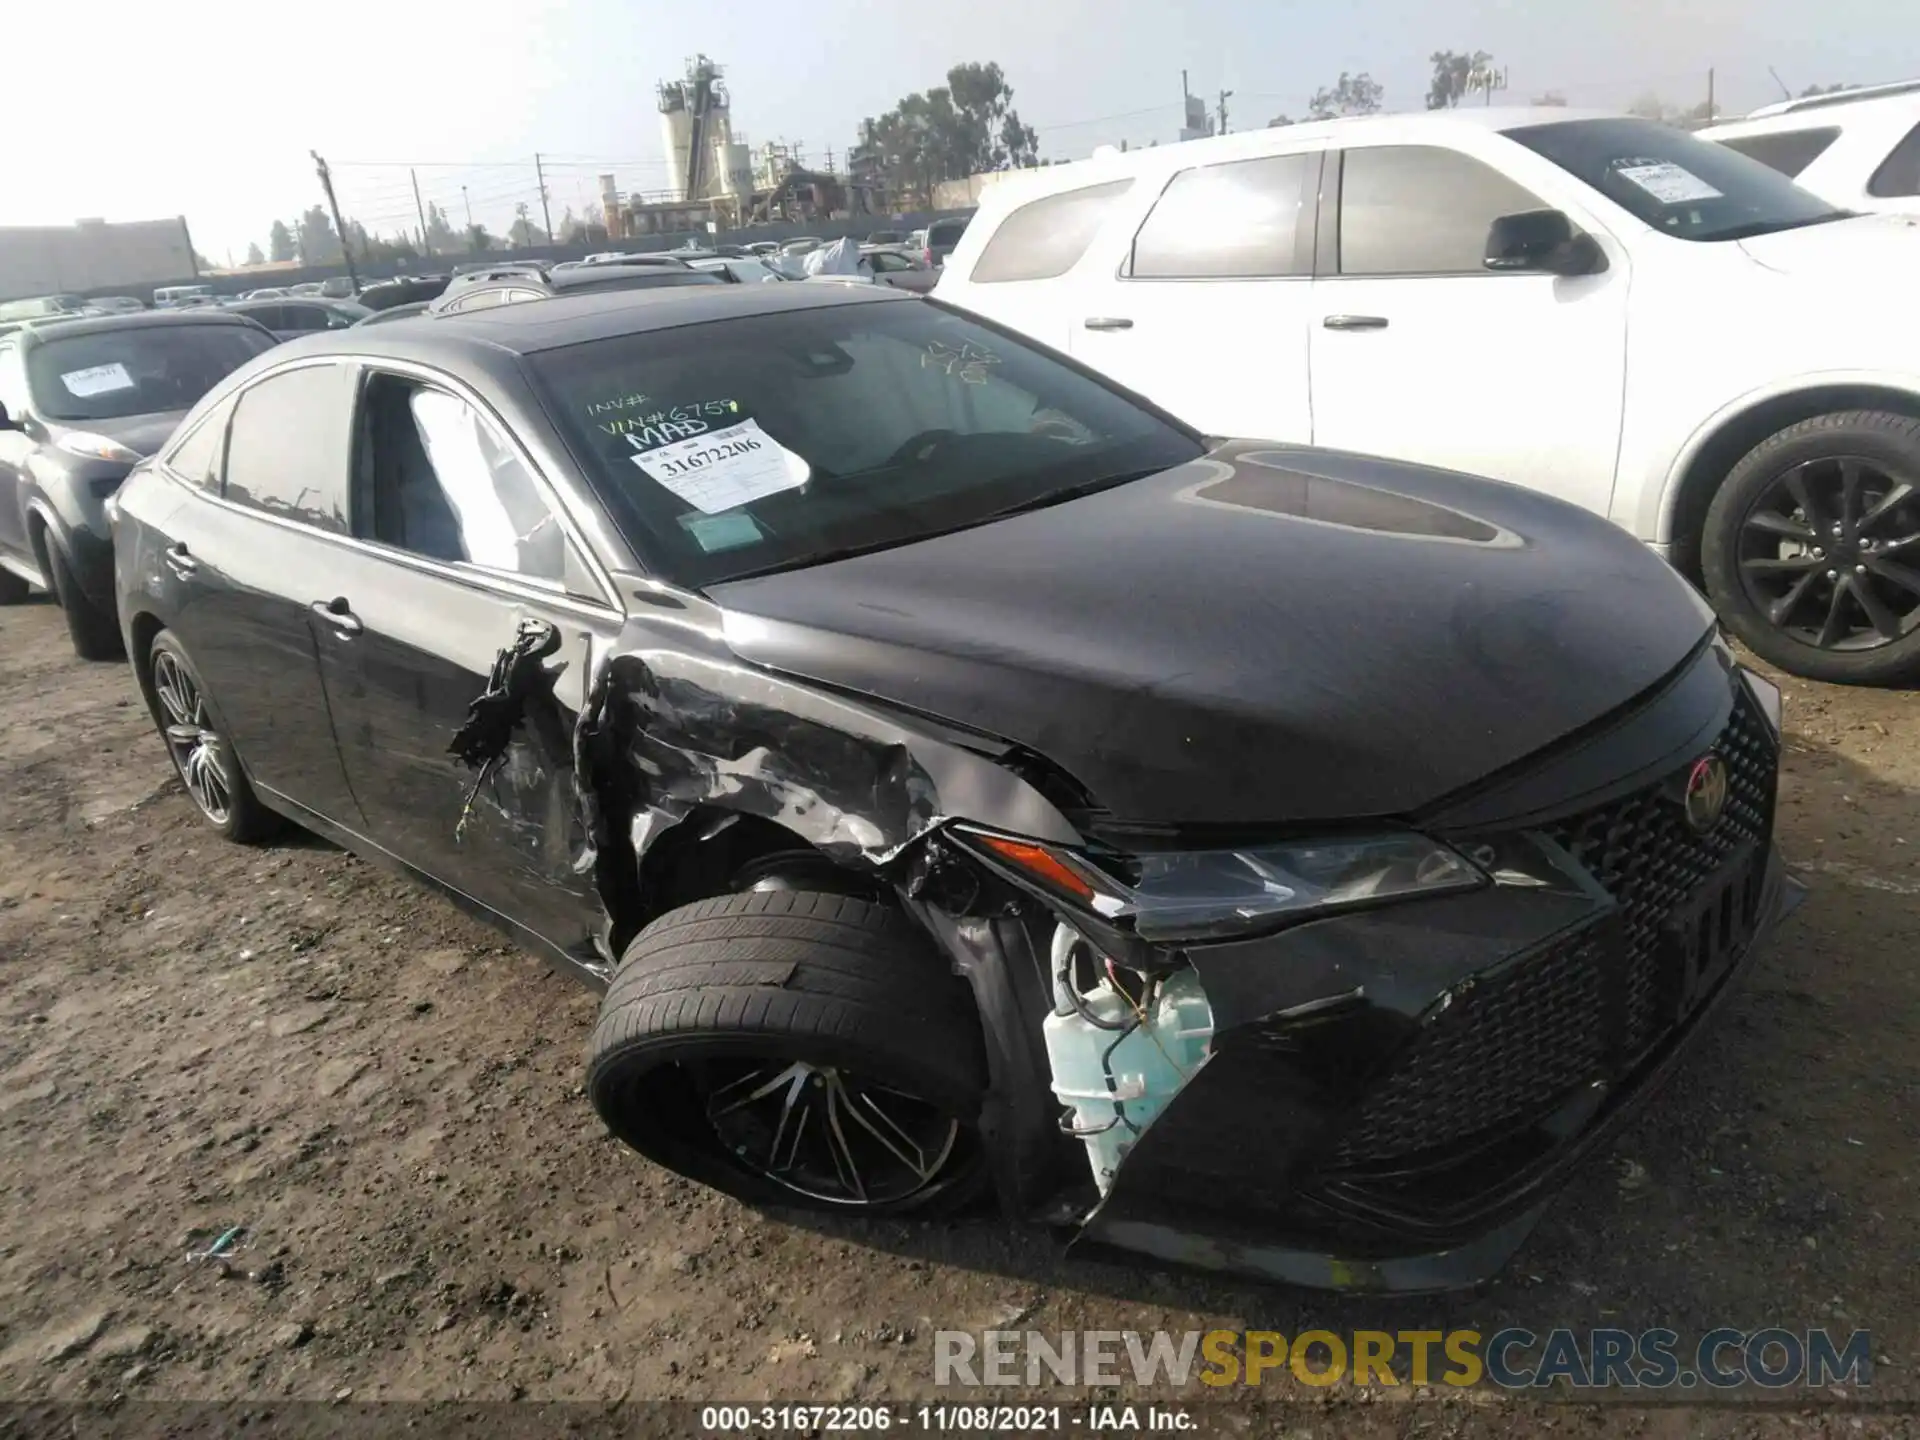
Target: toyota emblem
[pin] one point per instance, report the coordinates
(1706, 796)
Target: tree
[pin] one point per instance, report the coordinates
(1553, 98)
(254, 255)
(280, 242)
(1281, 120)
(1813, 90)
(478, 240)
(523, 232)
(318, 244)
(1351, 95)
(1649, 107)
(440, 237)
(1454, 75)
(962, 128)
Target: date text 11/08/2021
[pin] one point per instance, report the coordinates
(975, 1418)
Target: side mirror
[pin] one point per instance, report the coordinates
(7, 422)
(1541, 240)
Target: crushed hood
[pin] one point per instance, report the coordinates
(1266, 635)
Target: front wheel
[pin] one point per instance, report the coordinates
(795, 1048)
(95, 632)
(1811, 552)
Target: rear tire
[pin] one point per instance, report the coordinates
(203, 758)
(863, 1050)
(95, 632)
(1804, 563)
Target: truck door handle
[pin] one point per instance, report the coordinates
(1355, 322)
(1108, 322)
(180, 562)
(337, 613)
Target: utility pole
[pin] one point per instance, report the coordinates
(468, 205)
(425, 248)
(1225, 95)
(1710, 109)
(339, 228)
(545, 214)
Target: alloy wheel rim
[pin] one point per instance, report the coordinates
(827, 1133)
(1830, 554)
(194, 744)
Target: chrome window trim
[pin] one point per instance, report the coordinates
(474, 576)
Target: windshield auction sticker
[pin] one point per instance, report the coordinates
(724, 469)
(1668, 183)
(97, 380)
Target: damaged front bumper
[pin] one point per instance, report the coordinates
(1283, 1159)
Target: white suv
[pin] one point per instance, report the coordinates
(1602, 308)
(1859, 149)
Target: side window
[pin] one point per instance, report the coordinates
(13, 379)
(304, 317)
(1788, 151)
(198, 456)
(287, 451)
(434, 478)
(1899, 173)
(1420, 210)
(478, 300)
(1240, 220)
(1045, 237)
(271, 316)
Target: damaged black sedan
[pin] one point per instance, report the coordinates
(965, 779)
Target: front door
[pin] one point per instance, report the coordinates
(15, 446)
(465, 555)
(1420, 353)
(1204, 309)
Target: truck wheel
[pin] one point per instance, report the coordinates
(95, 632)
(799, 1049)
(1811, 551)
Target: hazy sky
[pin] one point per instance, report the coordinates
(208, 107)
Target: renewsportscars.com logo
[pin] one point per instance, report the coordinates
(1513, 1358)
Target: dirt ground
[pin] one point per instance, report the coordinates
(198, 1036)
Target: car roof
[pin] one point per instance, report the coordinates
(1864, 108)
(551, 324)
(1857, 95)
(145, 319)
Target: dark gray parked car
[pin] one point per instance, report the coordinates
(82, 402)
(298, 315)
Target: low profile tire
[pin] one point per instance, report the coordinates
(95, 632)
(1811, 552)
(799, 1049)
(202, 757)
(13, 590)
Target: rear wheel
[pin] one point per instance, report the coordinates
(95, 632)
(795, 1048)
(1811, 551)
(202, 757)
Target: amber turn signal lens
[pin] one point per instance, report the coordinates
(1039, 863)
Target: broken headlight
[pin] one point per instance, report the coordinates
(1188, 895)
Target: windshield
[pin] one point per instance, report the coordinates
(740, 446)
(1682, 186)
(112, 374)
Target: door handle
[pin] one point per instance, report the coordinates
(1108, 322)
(337, 613)
(1355, 322)
(179, 561)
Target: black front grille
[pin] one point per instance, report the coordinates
(1644, 854)
(1588, 1007)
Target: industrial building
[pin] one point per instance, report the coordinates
(94, 257)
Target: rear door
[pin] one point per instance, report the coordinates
(15, 447)
(251, 549)
(1421, 353)
(461, 545)
(1019, 276)
(1205, 308)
